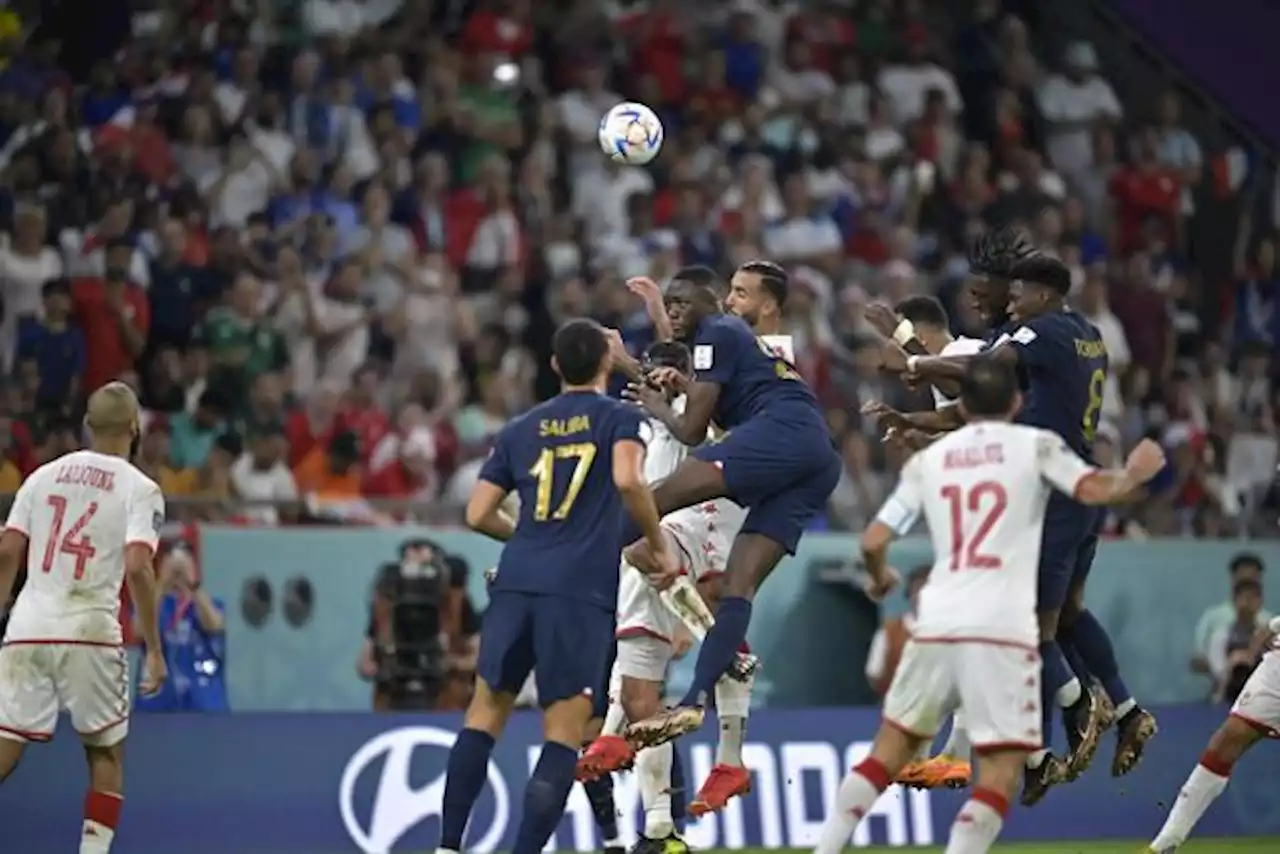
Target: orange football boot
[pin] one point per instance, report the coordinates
(935, 773)
(725, 782)
(606, 754)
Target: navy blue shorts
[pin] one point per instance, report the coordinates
(782, 467)
(600, 703)
(1067, 549)
(564, 642)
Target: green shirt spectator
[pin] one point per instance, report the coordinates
(241, 345)
(493, 118)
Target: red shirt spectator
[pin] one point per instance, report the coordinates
(827, 35)
(658, 36)
(498, 31)
(1142, 191)
(361, 414)
(114, 318)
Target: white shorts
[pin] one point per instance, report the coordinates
(997, 685)
(90, 682)
(640, 657)
(1259, 702)
(702, 546)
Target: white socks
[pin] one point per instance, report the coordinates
(653, 767)
(615, 720)
(1125, 708)
(857, 794)
(975, 829)
(1200, 790)
(733, 704)
(95, 838)
(957, 745)
(1069, 694)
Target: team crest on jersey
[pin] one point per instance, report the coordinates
(703, 357)
(1024, 336)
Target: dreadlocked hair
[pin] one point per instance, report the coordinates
(998, 251)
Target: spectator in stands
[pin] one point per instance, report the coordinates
(193, 434)
(1220, 623)
(113, 315)
(1072, 103)
(262, 477)
(52, 351)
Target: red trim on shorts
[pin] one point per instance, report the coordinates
(1265, 730)
(639, 632)
(1084, 478)
(103, 729)
(28, 735)
(905, 730)
(997, 746)
(150, 547)
(1011, 644)
(996, 801)
(61, 642)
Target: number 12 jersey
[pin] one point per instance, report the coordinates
(78, 513)
(983, 491)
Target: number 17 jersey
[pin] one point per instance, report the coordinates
(983, 491)
(558, 457)
(78, 513)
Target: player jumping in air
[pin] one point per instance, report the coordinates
(1064, 363)
(88, 522)
(1255, 716)
(648, 624)
(576, 461)
(920, 322)
(777, 460)
(984, 491)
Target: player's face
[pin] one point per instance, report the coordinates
(989, 298)
(746, 297)
(1026, 301)
(683, 310)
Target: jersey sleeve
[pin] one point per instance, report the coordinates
(902, 508)
(715, 353)
(1059, 465)
(20, 513)
(1033, 342)
(631, 425)
(146, 516)
(497, 468)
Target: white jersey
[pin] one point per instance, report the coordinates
(983, 491)
(78, 514)
(958, 347)
(782, 346)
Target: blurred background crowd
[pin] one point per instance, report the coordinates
(328, 240)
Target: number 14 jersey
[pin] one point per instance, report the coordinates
(78, 513)
(983, 491)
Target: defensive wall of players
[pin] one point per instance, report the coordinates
(293, 783)
(811, 627)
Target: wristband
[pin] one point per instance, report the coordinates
(905, 331)
(912, 362)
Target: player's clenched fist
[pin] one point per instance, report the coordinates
(1145, 460)
(880, 586)
(154, 672)
(672, 378)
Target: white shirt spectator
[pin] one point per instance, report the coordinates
(579, 114)
(322, 18)
(600, 201)
(82, 255)
(800, 87)
(275, 145)
(230, 98)
(21, 280)
(802, 237)
(1071, 109)
(244, 192)
(395, 244)
(496, 242)
(272, 484)
(906, 85)
(852, 100)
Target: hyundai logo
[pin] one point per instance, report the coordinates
(397, 808)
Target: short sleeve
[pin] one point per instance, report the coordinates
(1033, 346)
(1059, 465)
(902, 508)
(146, 516)
(630, 425)
(716, 353)
(20, 514)
(497, 467)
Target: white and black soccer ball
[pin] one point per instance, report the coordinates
(631, 133)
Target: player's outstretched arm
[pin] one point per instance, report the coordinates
(484, 513)
(623, 362)
(1096, 487)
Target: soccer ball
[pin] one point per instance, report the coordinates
(631, 133)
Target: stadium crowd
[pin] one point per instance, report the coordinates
(329, 240)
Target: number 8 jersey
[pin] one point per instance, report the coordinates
(983, 491)
(78, 513)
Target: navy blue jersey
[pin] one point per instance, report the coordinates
(558, 457)
(1065, 361)
(751, 377)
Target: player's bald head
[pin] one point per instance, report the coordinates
(112, 411)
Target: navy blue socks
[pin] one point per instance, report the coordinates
(719, 647)
(545, 796)
(464, 779)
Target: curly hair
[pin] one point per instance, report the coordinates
(998, 251)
